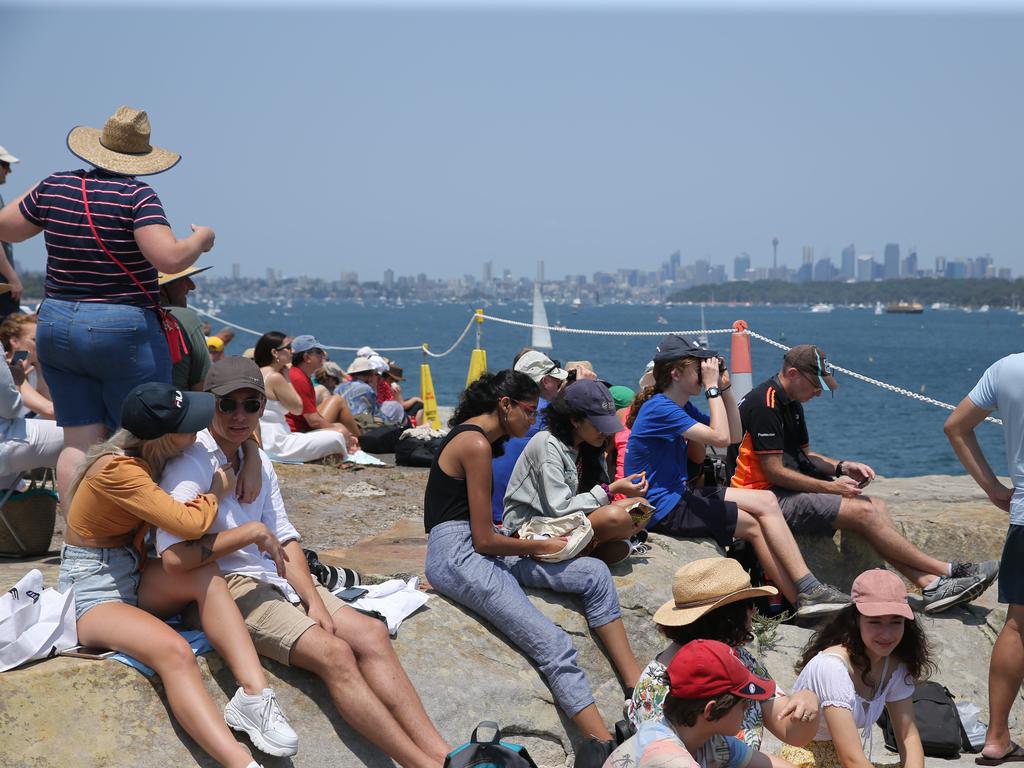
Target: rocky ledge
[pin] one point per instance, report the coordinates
(65, 711)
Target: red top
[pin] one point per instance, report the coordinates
(304, 386)
(384, 392)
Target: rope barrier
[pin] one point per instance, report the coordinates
(592, 332)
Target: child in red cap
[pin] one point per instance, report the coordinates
(866, 659)
(709, 691)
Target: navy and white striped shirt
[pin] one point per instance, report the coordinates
(77, 269)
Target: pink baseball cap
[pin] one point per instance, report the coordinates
(879, 592)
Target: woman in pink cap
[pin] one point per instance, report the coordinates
(866, 659)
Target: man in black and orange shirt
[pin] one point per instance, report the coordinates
(819, 494)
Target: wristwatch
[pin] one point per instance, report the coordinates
(711, 392)
(839, 469)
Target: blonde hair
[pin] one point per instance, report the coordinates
(155, 453)
(662, 373)
(13, 326)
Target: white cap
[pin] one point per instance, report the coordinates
(366, 352)
(7, 157)
(537, 365)
(379, 363)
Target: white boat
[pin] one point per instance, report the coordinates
(822, 308)
(983, 308)
(879, 309)
(541, 338)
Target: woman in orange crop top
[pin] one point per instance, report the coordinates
(112, 502)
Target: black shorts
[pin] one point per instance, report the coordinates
(1011, 567)
(700, 513)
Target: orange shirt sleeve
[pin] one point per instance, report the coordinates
(125, 483)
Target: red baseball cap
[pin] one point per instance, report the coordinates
(703, 669)
(879, 592)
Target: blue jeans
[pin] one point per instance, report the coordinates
(490, 586)
(93, 354)
(99, 575)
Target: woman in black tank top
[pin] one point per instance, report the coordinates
(471, 563)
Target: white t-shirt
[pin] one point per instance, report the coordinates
(190, 474)
(1001, 388)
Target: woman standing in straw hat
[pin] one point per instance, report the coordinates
(100, 327)
(866, 659)
(712, 599)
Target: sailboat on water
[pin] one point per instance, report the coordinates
(541, 338)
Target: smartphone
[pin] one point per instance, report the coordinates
(352, 594)
(88, 652)
(20, 356)
(864, 483)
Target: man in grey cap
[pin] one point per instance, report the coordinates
(308, 355)
(10, 301)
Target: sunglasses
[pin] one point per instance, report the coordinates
(229, 405)
(529, 410)
(282, 348)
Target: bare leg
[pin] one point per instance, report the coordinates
(335, 409)
(333, 660)
(166, 594)
(77, 440)
(748, 529)
(377, 660)
(589, 721)
(131, 630)
(870, 518)
(612, 522)
(613, 637)
(1005, 674)
(764, 507)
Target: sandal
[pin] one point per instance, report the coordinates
(1015, 755)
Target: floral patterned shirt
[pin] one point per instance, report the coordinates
(651, 689)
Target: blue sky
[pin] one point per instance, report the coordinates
(334, 137)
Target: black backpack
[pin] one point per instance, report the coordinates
(489, 754)
(416, 452)
(938, 722)
(380, 439)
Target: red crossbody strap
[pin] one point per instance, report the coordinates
(175, 338)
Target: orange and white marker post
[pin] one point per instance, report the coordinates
(740, 370)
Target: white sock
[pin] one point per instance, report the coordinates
(949, 569)
(254, 764)
(248, 696)
(932, 583)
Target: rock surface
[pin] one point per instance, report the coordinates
(99, 713)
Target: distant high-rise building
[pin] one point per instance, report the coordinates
(701, 272)
(865, 268)
(775, 253)
(271, 277)
(236, 271)
(892, 261)
(673, 266)
(389, 278)
(910, 264)
(808, 254)
(956, 270)
(740, 266)
(488, 274)
(940, 266)
(824, 270)
(848, 266)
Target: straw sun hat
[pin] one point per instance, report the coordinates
(704, 585)
(122, 146)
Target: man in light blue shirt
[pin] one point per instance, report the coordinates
(1001, 389)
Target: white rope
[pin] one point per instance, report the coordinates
(592, 332)
(417, 348)
(875, 382)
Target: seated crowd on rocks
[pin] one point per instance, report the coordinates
(163, 444)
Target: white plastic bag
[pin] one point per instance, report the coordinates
(973, 727)
(35, 623)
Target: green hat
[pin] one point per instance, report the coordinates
(623, 396)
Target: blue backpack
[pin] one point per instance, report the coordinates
(489, 754)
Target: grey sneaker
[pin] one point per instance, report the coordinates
(952, 590)
(823, 599)
(987, 569)
(261, 717)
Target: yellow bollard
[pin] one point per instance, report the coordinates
(477, 365)
(429, 398)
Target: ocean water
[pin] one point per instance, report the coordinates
(939, 353)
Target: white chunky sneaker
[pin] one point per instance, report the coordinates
(261, 717)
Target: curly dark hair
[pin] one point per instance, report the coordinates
(686, 711)
(263, 352)
(558, 419)
(482, 396)
(728, 624)
(844, 629)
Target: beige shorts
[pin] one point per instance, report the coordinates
(274, 623)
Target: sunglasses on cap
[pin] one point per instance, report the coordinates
(229, 404)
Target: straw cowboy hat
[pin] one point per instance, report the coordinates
(164, 279)
(703, 585)
(122, 146)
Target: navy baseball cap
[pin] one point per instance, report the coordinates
(676, 346)
(594, 399)
(154, 409)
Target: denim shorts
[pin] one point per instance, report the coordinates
(99, 575)
(93, 354)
